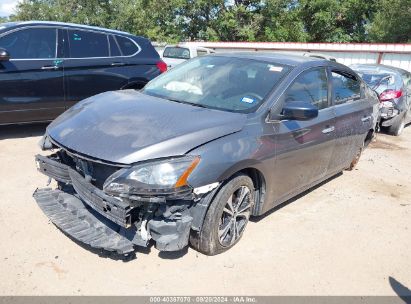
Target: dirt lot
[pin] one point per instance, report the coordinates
(351, 236)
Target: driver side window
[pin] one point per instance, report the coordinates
(32, 43)
(310, 86)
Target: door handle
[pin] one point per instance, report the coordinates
(118, 64)
(328, 130)
(366, 118)
(50, 67)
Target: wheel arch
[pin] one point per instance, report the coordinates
(259, 183)
(369, 137)
(199, 213)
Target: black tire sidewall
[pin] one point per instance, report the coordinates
(395, 127)
(209, 243)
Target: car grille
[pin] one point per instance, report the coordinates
(112, 208)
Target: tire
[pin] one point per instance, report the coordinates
(217, 232)
(356, 158)
(398, 126)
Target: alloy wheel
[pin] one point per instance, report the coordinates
(236, 214)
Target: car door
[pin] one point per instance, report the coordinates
(89, 67)
(354, 114)
(31, 81)
(304, 148)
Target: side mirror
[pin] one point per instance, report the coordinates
(296, 110)
(4, 55)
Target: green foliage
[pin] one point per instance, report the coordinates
(392, 22)
(235, 20)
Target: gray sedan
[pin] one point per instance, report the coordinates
(393, 86)
(188, 159)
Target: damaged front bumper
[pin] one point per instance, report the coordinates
(89, 215)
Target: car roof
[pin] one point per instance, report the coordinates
(56, 23)
(186, 46)
(282, 58)
(379, 66)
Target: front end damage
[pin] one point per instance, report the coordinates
(81, 207)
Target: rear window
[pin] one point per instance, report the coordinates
(114, 48)
(84, 44)
(176, 52)
(127, 46)
(380, 78)
(373, 79)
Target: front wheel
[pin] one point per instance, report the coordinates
(226, 217)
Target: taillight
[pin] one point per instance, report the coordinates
(162, 66)
(390, 94)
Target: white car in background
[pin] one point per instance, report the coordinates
(173, 55)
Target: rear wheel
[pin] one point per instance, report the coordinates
(356, 158)
(226, 217)
(397, 127)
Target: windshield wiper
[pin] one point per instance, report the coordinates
(189, 103)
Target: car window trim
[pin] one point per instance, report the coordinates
(71, 28)
(116, 43)
(330, 104)
(35, 27)
(273, 98)
(343, 72)
(107, 34)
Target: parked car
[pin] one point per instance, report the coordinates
(46, 67)
(202, 148)
(173, 55)
(393, 86)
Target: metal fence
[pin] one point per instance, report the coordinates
(398, 55)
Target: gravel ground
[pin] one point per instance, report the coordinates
(350, 236)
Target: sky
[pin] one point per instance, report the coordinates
(7, 7)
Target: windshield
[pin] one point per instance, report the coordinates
(224, 83)
(176, 52)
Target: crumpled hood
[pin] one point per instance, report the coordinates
(127, 126)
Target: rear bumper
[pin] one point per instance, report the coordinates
(90, 216)
(387, 122)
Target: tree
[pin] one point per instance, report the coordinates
(391, 22)
(336, 20)
(235, 20)
(91, 12)
(241, 21)
(282, 22)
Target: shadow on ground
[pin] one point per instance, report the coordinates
(22, 131)
(402, 291)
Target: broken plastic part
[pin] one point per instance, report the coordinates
(205, 189)
(45, 143)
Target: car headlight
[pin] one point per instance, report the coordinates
(153, 178)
